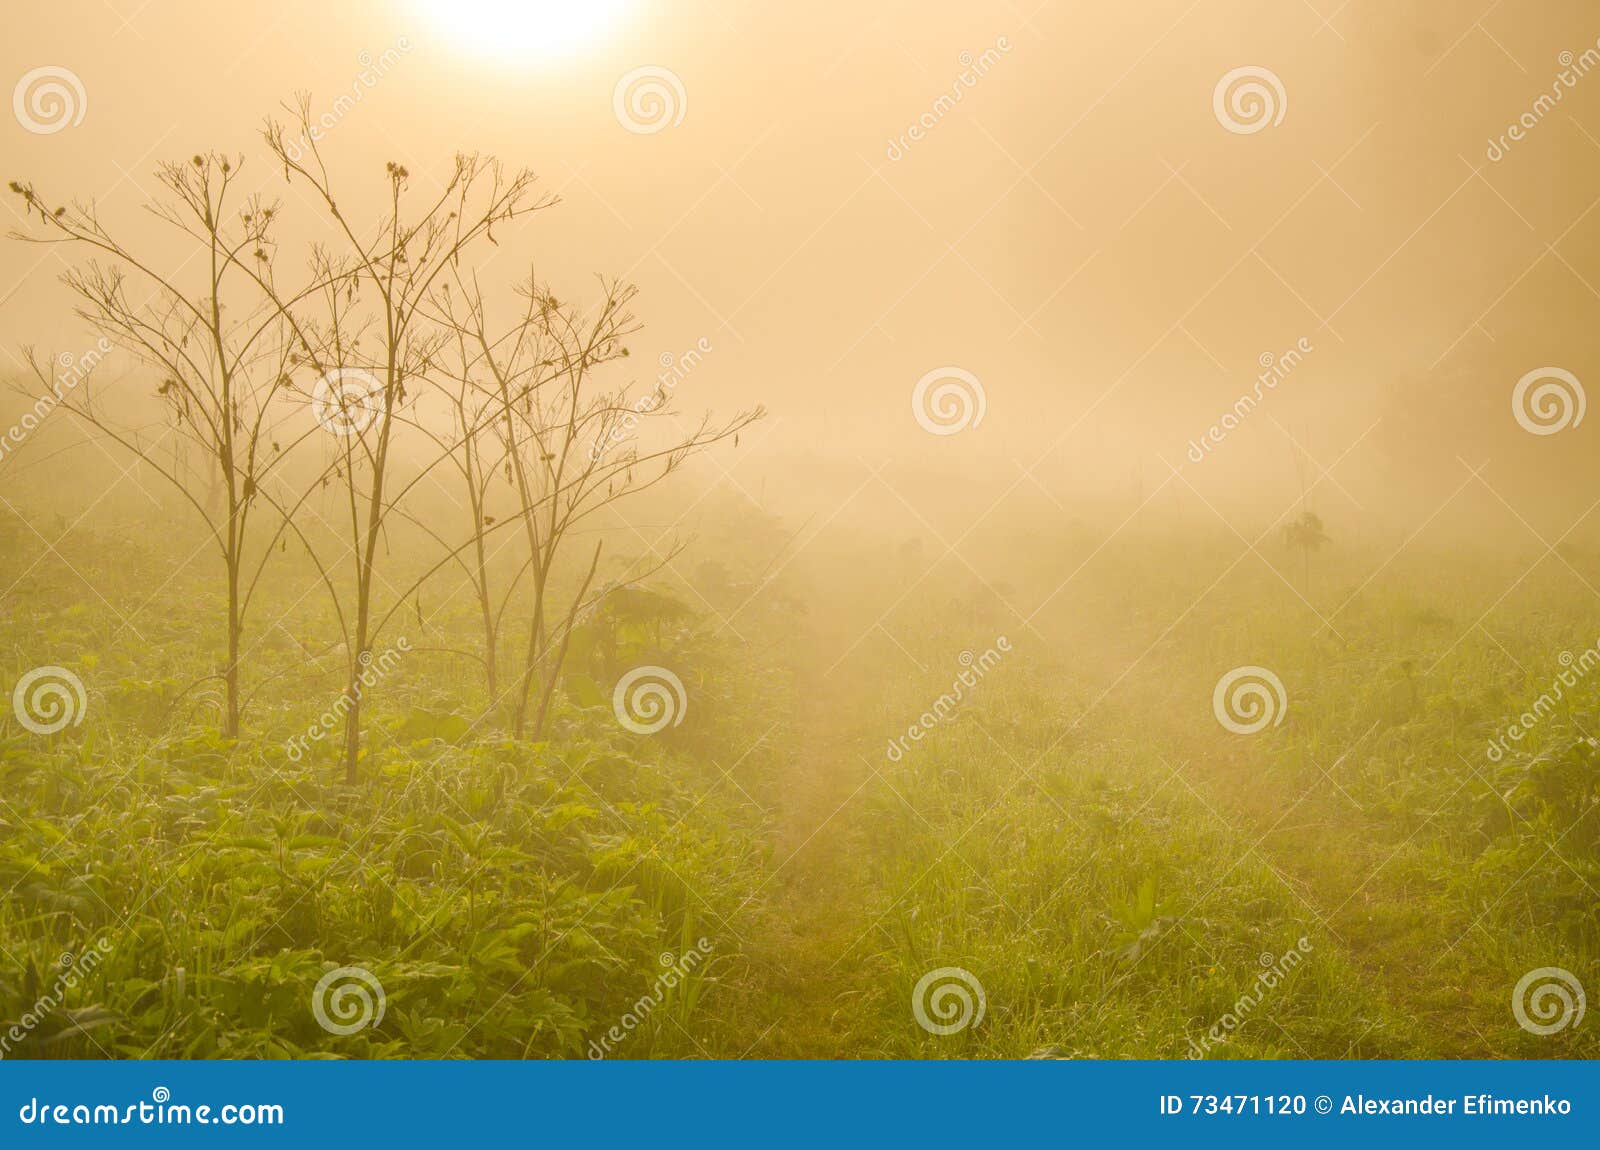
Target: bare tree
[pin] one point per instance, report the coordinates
(569, 445)
(220, 341)
(479, 462)
(373, 330)
(370, 344)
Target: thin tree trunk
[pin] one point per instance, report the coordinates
(352, 718)
(561, 651)
(231, 676)
(534, 654)
(485, 606)
(352, 734)
(366, 562)
(491, 655)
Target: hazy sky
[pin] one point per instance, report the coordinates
(1091, 230)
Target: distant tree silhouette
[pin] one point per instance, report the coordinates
(1304, 533)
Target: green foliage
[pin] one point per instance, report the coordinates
(1080, 834)
(507, 900)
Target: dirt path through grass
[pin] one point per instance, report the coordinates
(818, 903)
(818, 985)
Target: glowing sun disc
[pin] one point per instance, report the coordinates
(523, 31)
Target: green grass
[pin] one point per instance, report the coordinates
(1113, 867)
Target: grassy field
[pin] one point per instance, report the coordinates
(1113, 870)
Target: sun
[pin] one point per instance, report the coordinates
(525, 32)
